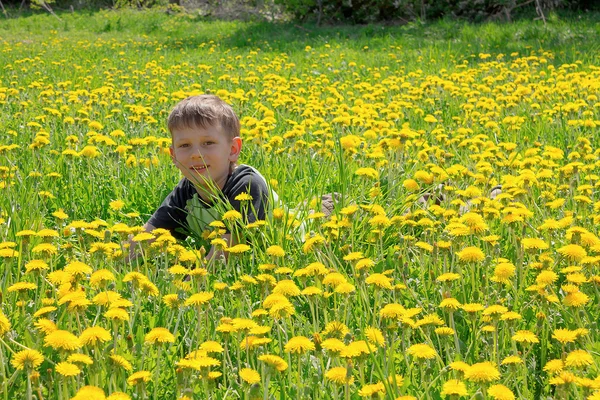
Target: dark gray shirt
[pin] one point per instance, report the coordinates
(178, 206)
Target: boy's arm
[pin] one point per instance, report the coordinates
(133, 246)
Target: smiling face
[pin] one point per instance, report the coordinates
(204, 155)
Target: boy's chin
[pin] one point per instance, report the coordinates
(200, 179)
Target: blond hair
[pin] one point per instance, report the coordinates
(203, 111)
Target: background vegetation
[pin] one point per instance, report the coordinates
(383, 299)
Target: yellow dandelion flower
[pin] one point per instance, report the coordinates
(554, 366)
(117, 314)
(89, 393)
(333, 345)
(334, 279)
(512, 360)
(232, 215)
(572, 252)
(139, 377)
(116, 205)
(286, 288)
(345, 288)
(67, 369)
(253, 342)
(579, 358)
(21, 287)
(46, 248)
(199, 299)
(4, 324)
(80, 358)
(311, 291)
(121, 361)
(482, 372)
(576, 299)
(243, 197)
(421, 351)
(282, 310)
(454, 387)
(471, 254)
(275, 251)
(62, 340)
(450, 304)
(365, 263)
(495, 310)
(106, 298)
(374, 336)
(524, 336)
(27, 359)
(411, 185)
(503, 272)
(448, 277)
(36, 265)
(368, 172)
(392, 311)
(379, 280)
(546, 277)
(371, 390)
(159, 336)
(46, 326)
(500, 392)
(444, 331)
(212, 347)
(459, 366)
(273, 361)
(143, 237)
(249, 375)
(335, 329)
(534, 244)
(94, 335)
(340, 375)
(511, 316)
(238, 249)
(299, 345)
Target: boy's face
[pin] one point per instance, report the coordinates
(203, 154)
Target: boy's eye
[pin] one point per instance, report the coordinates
(184, 145)
(208, 143)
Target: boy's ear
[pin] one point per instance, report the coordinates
(172, 153)
(236, 148)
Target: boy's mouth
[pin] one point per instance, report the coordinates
(198, 168)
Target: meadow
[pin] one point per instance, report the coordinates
(386, 298)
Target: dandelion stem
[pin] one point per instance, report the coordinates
(29, 391)
(157, 371)
(4, 383)
(266, 388)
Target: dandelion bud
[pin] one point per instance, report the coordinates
(255, 391)
(35, 377)
(347, 338)
(576, 238)
(540, 315)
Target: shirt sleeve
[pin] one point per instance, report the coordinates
(172, 214)
(254, 185)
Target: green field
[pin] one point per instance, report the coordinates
(386, 298)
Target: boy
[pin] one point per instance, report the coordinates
(206, 144)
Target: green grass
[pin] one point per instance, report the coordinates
(471, 105)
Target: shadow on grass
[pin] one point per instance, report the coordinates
(563, 31)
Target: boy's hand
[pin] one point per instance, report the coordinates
(133, 246)
(214, 253)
